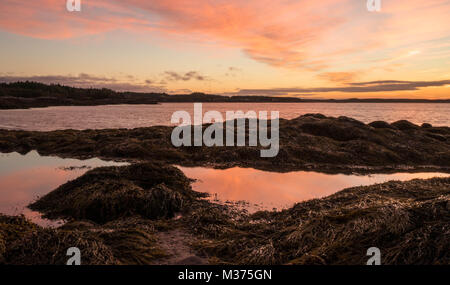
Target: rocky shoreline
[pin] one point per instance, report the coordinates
(126, 214)
(309, 142)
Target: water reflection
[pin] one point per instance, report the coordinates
(261, 190)
(24, 178)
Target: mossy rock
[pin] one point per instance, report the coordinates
(404, 125)
(13, 228)
(49, 247)
(381, 125)
(105, 194)
(408, 221)
(133, 246)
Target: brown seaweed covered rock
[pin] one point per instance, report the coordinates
(311, 141)
(126, 241)
(12, 229)
(49, 247)
(108, 193)
(408, 221)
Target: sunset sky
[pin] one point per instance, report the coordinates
(310, 49)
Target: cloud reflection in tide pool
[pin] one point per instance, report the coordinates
(262, 190)
(24, 178)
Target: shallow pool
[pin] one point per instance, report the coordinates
(24, 178)
(262, 190)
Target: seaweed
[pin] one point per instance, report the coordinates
(109, 193)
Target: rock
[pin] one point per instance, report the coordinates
(381, 125)
(404, 125)
(108, 193)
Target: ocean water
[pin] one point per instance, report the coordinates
(133, 116)
(24, 178)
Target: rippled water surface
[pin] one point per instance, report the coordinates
(133, 116)
(24, 178)
(261, 190)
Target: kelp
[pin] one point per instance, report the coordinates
(105, 194)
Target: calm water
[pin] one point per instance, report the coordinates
(261, 190)
(24, 178)
(133, 116)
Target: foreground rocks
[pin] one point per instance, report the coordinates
(128, 241)
(108, 193)
(408, 221)
(308, 142)
(118, 215)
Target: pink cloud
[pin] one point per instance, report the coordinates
(285, 33)
(273, 32)
(49, 19)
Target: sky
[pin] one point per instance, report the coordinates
(308, 49)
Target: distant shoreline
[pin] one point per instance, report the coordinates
(25, 95)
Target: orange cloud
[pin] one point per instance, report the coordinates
(49, 19)
(311, 35)
(339, 77)
(276, 33)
